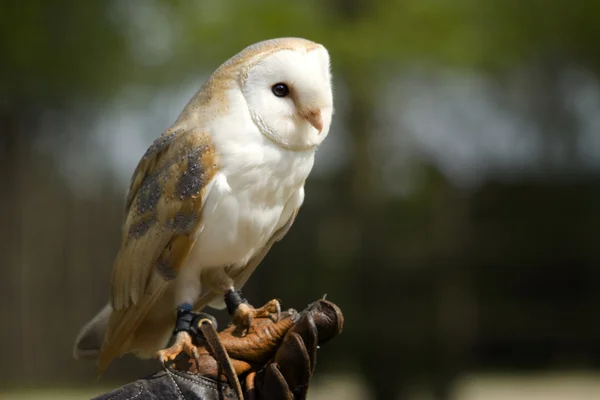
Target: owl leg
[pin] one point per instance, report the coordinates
(186, 329)
(243, 313)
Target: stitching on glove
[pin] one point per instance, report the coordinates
(116, 394)
(175, 383)
(201, 382)
(137, 395)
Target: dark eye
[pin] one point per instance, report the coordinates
(280, 90)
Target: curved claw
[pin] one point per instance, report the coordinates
(245, 313)
(196, 356)
(267, 311)
(277, 310)
(183, 344)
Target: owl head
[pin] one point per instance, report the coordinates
(285, 88)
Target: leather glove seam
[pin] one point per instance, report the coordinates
(137, 395)
(200, 380)
(176, 384)
(116, 394)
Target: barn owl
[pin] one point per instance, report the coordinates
(210, 197)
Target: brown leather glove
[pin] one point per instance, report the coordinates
(274, 360)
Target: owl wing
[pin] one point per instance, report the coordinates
(163, 210)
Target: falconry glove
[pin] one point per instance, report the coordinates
(273, 360)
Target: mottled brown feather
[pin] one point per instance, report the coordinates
(163, 208)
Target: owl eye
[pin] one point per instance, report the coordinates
(280, 89)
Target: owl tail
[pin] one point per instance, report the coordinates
(90, 338)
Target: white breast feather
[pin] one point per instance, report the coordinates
(257, 189)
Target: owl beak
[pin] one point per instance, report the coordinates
(314, 118)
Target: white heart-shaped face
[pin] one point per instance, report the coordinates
(290, 97)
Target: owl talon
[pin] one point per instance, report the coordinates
(270, 310)
(186, 329)
(278, 312)
(183, 344)
(243, 313)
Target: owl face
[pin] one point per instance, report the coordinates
(289, 95)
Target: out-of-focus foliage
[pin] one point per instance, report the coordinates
(457, 228)
(63, 48)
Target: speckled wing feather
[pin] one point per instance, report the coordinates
(163, 209)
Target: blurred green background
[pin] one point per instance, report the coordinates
(452, 213)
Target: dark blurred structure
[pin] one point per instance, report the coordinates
(453, 213)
